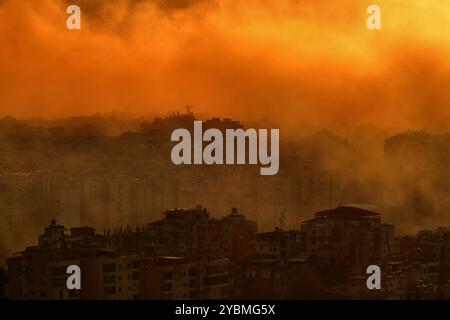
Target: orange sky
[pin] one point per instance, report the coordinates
(311, 61)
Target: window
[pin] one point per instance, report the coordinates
(109, 267)
(109, 290)
(192, 272)
(167, 275)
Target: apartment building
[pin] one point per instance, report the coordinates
(174, 278)
(347, 234)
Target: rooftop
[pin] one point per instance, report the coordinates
(346, 212)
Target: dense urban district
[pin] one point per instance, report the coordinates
(308, 232)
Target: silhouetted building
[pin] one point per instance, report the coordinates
(348, 235)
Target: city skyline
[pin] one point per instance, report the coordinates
(216, 150)
(189, 255)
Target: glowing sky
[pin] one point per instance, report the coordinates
(308, 61)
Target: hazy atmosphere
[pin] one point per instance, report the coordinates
(292, 62)
(86, 118)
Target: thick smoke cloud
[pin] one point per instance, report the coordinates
(295, 63)
(291, 62)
